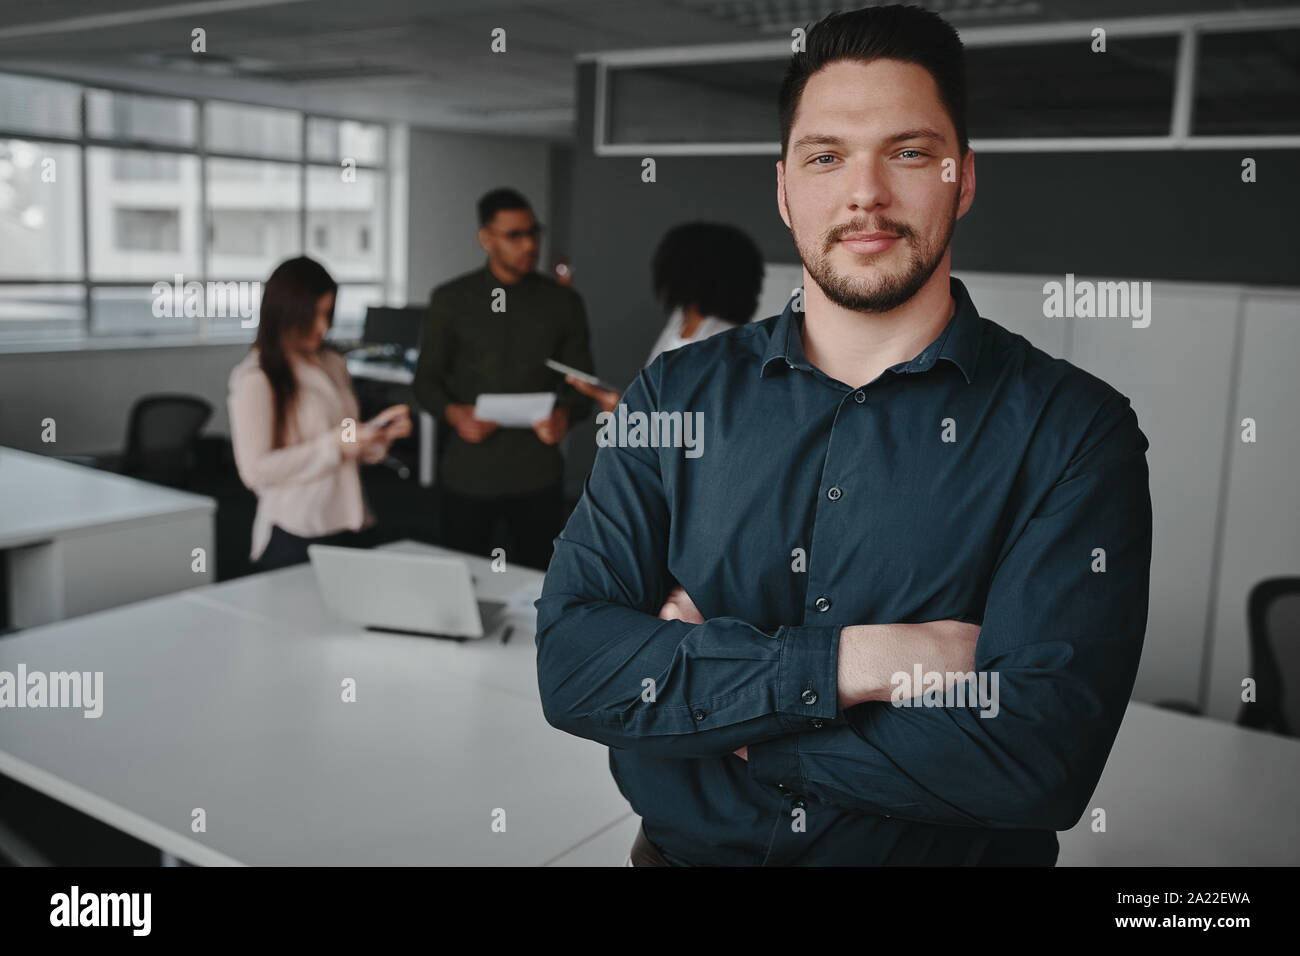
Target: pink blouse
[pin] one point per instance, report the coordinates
(305, 486)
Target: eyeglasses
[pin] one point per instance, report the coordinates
(514, 235)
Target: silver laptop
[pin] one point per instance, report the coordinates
(387, 590)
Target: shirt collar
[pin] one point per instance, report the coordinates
(958, 342)
(492, 282)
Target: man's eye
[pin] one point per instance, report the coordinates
(915, 152)
(822, 156)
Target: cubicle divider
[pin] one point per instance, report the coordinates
(1213, 381)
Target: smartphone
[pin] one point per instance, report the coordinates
(579, 375)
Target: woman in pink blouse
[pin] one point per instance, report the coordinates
(293, 424)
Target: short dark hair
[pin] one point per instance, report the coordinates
(895, 32)
(711, 265)
(491, 203)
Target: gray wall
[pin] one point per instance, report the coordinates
(448, 172)
(89, 392)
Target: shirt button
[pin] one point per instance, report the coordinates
(781, 787)
(834, 493)
(822, 604)
(817, 723)
(809, 697)
(860, 396)
(699, 715)
(799, 803)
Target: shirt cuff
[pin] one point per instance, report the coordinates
(808, 678)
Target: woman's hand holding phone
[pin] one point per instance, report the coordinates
(392, 423)
(375, 436)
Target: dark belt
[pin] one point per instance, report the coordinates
(645, 853)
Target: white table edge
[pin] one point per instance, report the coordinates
(116, 816)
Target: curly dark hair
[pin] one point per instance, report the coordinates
(711, 265)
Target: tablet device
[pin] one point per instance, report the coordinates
(579, 375)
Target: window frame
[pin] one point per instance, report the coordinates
(1187, 28)
(205, 334)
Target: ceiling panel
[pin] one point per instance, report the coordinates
(428, 61)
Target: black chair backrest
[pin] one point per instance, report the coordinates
(1273, 615)
(161, 438)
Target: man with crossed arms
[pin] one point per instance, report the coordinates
(889, 481)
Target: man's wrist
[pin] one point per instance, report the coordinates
(870, 655)
(854, 681)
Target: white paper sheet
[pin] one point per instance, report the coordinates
(514, 409)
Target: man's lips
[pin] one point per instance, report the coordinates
(868, 236)
(868, 242)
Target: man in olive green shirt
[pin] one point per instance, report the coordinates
(491, 330)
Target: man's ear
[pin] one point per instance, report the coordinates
(967, 184)
(780, 193)
(482, 238)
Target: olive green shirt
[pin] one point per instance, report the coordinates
(468, 349)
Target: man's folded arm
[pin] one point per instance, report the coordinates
(610, 670)
(1063, 639)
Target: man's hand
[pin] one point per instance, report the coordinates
(552, 428)
(468, 427)
(608, 400)
(679, 607)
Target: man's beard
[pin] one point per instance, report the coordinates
(890, 290)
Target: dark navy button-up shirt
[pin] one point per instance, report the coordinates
(982, 481)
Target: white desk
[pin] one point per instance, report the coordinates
(228, 698)
(1192, 791)
(1177, 790)
(79, 540)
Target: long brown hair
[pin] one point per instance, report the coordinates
(289, 300)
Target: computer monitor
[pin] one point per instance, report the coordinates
(389, 325)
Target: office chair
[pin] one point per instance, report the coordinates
(162, 437)
(1273, 618)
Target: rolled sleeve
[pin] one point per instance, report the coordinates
(1064, 639)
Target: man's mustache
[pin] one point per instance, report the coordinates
(839, 232)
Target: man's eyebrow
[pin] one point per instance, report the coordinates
(924, 132)
(817, 139)
(825, 139)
